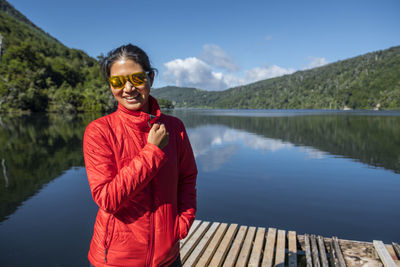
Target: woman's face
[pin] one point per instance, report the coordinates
(131, 97)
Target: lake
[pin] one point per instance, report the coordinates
(318, 172)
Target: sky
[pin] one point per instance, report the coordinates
(215, 45)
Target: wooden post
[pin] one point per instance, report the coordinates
(292, 249)
(280, 249)
(322, 252)
(308, 250)
(336, 253)
(256, 253)
(269, 248)
(314, 250)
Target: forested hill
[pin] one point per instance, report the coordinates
(38, 73)
(364, 82)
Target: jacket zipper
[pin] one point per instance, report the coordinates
(150, 253)
(151, 234)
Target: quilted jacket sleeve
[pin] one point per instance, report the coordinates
(110, 187)
(186, 186)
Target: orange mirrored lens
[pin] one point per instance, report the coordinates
(117, 81)
(137, 79)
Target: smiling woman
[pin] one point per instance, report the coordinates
(141, 171)
(133, 90)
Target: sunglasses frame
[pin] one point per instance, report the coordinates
(125, 78)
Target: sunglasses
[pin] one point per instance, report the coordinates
(136, 79)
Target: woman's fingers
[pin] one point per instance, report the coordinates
(155, 127)
(162, 128)
(158, 135)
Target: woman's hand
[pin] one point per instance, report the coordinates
(158, 135)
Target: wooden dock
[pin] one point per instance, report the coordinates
(222, 244)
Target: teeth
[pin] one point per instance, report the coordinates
(131, 97)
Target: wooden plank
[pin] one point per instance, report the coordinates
(269, 248)
(195, 255)
(220, 254)
(308, 250)
(334, 259)
(194, 239)
(322, 252)
(212, 246)
(245, 252)
(383, 254)
(256, 252)
(314, 251)
(292, 249)
(280, 248)
(235, 248)
(193, 229)
(396, 248)
(338, 256)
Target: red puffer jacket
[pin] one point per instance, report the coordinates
(146, 196)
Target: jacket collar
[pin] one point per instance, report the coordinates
(139, 119)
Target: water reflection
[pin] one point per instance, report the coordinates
(38, 148)
(34, 150)
(214, 145)
(366, 137)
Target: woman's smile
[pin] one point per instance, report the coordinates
(132, 98)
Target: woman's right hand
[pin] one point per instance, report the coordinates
(158, 135)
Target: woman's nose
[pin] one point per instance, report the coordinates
(129, 87)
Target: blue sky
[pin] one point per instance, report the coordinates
(215, 45)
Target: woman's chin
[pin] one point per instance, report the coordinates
(132, 105)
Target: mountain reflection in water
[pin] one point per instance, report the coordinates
(328, 173)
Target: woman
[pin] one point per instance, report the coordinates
(141, 171)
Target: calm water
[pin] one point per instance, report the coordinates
(321, 172)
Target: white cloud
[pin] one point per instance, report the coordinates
(316, 62)
(199, 73)
(215, 56)
(266, 72)
(193, 72)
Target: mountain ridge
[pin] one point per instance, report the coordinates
(368, 81)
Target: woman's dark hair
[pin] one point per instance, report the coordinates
(128, 51)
